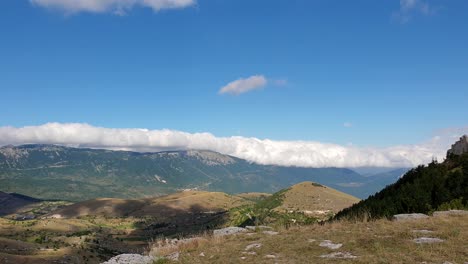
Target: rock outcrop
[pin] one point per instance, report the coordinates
(130, 259)
(330, 245)
(402, 217)
(450, 212)
(339, 255)
(427, 240)
(229, 231)
(460, 147)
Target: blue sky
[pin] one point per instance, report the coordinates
(395, 75)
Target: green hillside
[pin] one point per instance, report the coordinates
(76, 174)
(421, 190)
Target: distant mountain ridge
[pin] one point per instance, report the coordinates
(59, 172)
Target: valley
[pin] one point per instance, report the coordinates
(78, 174)
(302, 223)
(229, 131)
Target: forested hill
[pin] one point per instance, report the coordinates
(421, 190)
(77, 174)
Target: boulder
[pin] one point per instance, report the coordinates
(427, 240)
(450, 212)
(252, 246)
(402, 217)
(229, 231)
(271, 233)
(339, 255)
(174, 256)
(259, 227)
(329, 244)
(130, 259)
(423, 231)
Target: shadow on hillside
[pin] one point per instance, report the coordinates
(153, 220)
(11, 203)
(104, 238)
(175, 222)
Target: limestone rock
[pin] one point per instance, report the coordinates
(402, 217)
(423, 231)
(330, 245)
(259, 227)
(339, 255)
(130, 259)
(228, 231)
(450, 212)
(252, 246)
(427, 240)
(174, 256)
(460, 147)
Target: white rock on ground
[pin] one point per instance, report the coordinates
(271, 233)
(130, 259)
(329, 244)
(174, 256)
(423, 231)
(228, 231)
(339, 255)
(450, 212)
(251, 246)
(270, 256)
(259, 227)
(427, 240)
(400, 217)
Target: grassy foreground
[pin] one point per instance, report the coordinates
(380, 241)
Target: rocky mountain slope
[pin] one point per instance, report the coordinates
(76, 174)
(421, 190)
(460, 147)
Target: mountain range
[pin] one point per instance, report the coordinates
(76, 174)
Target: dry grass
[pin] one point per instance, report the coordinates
(379, 241)
(157, 206)
(186, 200)
(164, 247)
(311, 197)
(253, 196)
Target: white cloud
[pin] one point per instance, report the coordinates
(347, 124)
(262, 151)
(114, 6)
(409, 7)
(244, 85)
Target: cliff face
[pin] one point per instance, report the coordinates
(460, 146)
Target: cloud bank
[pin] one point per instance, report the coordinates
(244, 85)
(113, 6)
(262, 151)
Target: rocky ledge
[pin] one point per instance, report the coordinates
(460, 147)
